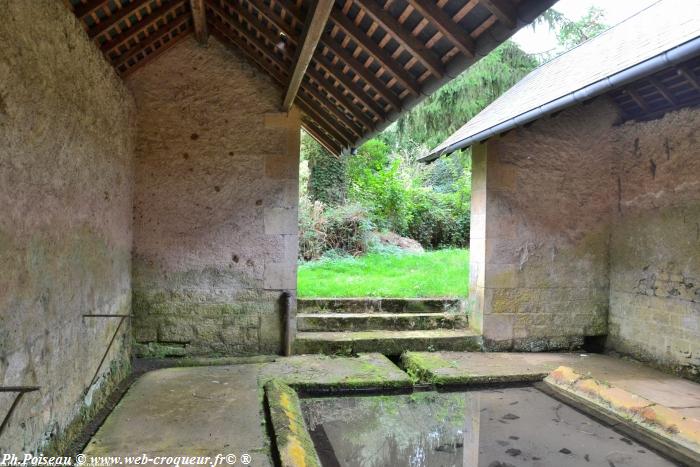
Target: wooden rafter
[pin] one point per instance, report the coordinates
(637, 98)
(451, 30)
(347, 106)
(503, 10)
(84, 9)
(316, 134)
(379, 54)
(199, 17)
(688, 76)
(381, 88)
(147, 22)
(403, 37)
(662, 90)
(257, 43)
(117, 17)
(224, 36)
(313, 29)
(155, 54)
(152, 40)
(334, 71)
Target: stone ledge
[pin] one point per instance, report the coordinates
(644, 414)
(292, 440)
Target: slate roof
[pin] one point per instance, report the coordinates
(659, 28)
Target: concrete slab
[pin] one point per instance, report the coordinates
(201, 411)
(465, 367)
(372, 370)
(205, 411)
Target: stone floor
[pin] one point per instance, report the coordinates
(218, 409)
(654, 385)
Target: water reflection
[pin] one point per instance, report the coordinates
(486, 428)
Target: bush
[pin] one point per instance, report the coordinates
(332, 231)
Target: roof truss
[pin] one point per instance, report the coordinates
(350, 65)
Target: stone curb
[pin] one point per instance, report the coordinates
(661, 420)
(292, 440)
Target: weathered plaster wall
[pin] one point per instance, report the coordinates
(65, 221)
(215, 221)
(655, 247)
(542, 200)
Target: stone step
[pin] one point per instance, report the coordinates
(379, 321)
(386, 342)
(379, 305)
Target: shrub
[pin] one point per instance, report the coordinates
(331, 231)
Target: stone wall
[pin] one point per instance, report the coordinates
(655, 248)
(541, 213)
(65, 230)
(215, 216)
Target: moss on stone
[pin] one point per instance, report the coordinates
(293, 442)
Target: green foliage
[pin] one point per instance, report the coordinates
(440, 273)
(458, 101)
(338, 230)
(573, 33)
(327, 173)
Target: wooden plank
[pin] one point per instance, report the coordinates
(328, 88)
(442, 21)
(402, 36)
(156, 15)
(257, 43)
(504, 10)
(315, 24)
(117, 17)
(152, 40)
(342, 54)
(638, 99)
(199, 15)
(689, 77)
(153, 55)
(662, 90)
(379, 54)
(311, 128)
(84, 9)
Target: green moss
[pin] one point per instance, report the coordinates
(294, 445)
(420, 366)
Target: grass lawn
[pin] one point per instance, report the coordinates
(442, 273)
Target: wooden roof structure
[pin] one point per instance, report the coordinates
(352, 66)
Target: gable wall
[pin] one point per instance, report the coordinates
(215, 213)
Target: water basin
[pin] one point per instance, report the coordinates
(505, 427)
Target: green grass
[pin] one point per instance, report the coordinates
(442, 273)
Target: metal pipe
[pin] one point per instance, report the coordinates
(648, 67)
(289, 312)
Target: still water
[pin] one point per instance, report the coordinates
(511, 427)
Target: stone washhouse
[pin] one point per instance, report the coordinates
(149, 154)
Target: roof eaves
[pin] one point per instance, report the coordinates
(647, 67)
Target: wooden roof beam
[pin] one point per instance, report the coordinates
(257, 43)
(89, 7)
(381, 88)
(313, 29)
(328, 88)
(156, 15)
(154, 54)
(662, 90)
(403, 37)
(379, 54)
(336, 73)
(504, 10)
(199, 16)
(309, 127)
(689, 77)
(442, 21)
(217, 31)
(117, 17)
(152, 40)
(266, 34)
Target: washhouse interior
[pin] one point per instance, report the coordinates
(149, 176)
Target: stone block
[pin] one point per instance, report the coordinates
(281, 221)
(280, 276)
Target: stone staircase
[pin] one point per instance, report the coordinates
(389, 326)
